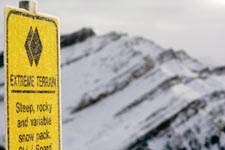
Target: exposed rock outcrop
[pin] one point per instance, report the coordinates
(76, 37)
(128, 93)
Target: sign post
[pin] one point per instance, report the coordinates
(32, 79)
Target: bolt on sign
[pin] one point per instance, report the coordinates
(32, 81)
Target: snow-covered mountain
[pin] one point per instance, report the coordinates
(128, 93)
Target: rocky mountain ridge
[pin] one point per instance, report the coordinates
(128, 93)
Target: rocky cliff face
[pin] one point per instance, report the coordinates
(76, 37)
(127, 93)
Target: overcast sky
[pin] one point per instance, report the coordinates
(197, 26)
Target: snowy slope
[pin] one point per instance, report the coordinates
(1, 42)
(2, 125)
(131, 94)
(127, 93)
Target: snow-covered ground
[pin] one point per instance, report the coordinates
(112, 108)
(128, 93)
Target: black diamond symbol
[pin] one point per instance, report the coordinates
(33, 46)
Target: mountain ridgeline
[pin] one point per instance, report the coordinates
(67, 40)
(128, 93)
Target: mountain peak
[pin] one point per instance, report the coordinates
(128, 93)
(76, 37)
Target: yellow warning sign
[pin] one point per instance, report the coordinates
(32, 81)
